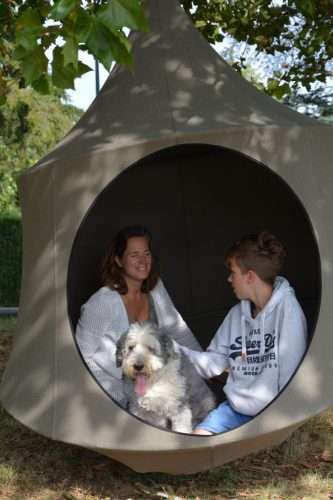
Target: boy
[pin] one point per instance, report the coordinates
(262, 339)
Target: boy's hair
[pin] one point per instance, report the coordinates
(112, 274)
(262, 253)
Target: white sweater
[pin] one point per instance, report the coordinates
(102, 321)
(261, 353)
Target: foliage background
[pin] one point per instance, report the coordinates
(30, 125)
(297, 32)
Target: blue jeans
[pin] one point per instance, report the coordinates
(223, 419)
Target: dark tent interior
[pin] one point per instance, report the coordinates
(197, 199)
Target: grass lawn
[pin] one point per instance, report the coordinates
(33, 467)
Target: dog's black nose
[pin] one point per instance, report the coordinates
(138, 367)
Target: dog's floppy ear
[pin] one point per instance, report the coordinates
(119, 350)
(168, 350)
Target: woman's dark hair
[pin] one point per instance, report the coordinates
(262, 253)
(112, 275)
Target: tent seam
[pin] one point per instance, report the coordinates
(55, 360)
(168, 91)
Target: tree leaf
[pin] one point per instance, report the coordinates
(108, 46)
(70, 52)
(42, 85)
(44, 7)
(307, 7)
(62, 8)
(83, 26)
(98, 39)
(33, 64)
(4, 14)
(200, 23)
(119, 13)
(82, 69)
(98, 44)
(28, 28)
(19, 53)
(123, 40)
(62, 76)
(282, 91)
(272, 85)
(121, 48)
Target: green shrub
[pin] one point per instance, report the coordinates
(10, 258)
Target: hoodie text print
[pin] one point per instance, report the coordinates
(260, 353)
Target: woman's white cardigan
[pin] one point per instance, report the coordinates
(102, 321)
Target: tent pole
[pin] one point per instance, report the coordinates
(96, 76)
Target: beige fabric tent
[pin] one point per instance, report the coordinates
(184, 145)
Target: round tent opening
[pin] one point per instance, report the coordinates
(197, 199)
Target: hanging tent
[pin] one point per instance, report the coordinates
(187, 147)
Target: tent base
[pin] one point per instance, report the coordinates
(195, 460)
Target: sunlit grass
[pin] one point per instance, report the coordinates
(8, 474)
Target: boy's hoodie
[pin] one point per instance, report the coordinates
(260, 353)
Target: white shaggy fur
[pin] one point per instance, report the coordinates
(161, 385)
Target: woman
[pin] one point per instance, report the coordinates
(132, 292)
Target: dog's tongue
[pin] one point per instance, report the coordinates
(140, 386)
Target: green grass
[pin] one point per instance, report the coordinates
(7, 324)
(35, 468)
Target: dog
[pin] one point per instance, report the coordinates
(160, 383)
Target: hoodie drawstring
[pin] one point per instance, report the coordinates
(276, 345)
(243, 328)
(243, 332)
(262, 329)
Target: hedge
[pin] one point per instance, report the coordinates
(10, 259)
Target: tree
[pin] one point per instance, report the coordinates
(296, 31)
(317, 103)
(30, 126)
(30, 28)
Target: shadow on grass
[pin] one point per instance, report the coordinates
(35, 467)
